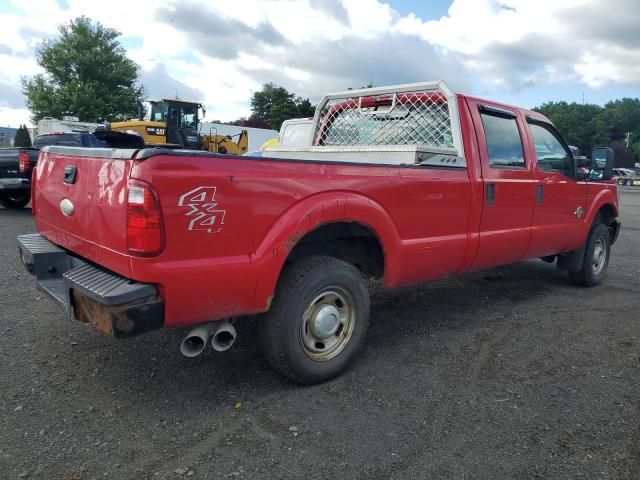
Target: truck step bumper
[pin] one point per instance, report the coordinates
(115, 305)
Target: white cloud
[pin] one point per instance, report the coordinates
(223, 53)
(517, 43)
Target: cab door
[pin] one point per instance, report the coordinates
(173, 124)
(509, 185)
(560, 200)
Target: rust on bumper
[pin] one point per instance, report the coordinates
(125, 320)
(115, 305)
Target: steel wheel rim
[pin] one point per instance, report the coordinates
(327, 324)
(599, 256)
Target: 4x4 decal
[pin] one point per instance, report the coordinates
(203, 211)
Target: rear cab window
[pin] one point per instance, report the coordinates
(67, 140)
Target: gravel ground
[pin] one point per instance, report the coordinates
(510, 373)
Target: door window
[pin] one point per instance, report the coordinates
(551, 155)
(188, 117)
(504, 145)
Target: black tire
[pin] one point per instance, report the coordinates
(285, 328)
(593, 272)
(621, 182)
(14, 200)
(630, 183)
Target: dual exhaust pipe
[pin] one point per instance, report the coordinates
(221, 334)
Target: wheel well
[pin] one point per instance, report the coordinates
(349, 241)
(605, 215)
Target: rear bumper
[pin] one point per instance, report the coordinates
(14, 184)
(115, 305)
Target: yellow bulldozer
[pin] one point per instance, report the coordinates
(176, 124)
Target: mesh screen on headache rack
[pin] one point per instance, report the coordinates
(407, 118)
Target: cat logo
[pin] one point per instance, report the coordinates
(203, 213)
(156, 131)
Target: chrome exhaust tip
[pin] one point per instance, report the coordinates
(195, 342)
(224, 336)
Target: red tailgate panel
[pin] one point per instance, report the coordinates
(96, 230)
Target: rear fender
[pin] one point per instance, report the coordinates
(311, 213)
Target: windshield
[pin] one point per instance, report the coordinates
(159, 112)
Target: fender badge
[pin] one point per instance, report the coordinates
(579, 212)
(66, 207)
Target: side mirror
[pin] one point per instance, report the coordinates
(602, 163)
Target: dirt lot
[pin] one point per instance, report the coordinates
(511, 373)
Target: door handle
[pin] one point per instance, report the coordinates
(491, 194)
(540, 193)
(70, 174)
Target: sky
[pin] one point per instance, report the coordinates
(523, 52)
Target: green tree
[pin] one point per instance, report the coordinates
(22, 138)
(588, 126)
(580, 125)
(274, 105)
(87, 73)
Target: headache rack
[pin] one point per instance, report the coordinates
(403, 124)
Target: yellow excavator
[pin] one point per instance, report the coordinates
(176, 124)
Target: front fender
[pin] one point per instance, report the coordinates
(606, 196)
(311, 213)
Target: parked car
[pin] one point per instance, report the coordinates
(295, 132)
(406, 184)
(16, 164)
(626, 176)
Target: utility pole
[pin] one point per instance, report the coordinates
(628, 139)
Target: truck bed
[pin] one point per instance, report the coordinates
(248, 205)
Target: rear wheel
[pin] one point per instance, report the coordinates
(620, 181)
(317, 321)
(14, 200)
(596, 258)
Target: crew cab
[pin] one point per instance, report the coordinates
(16, 164)
(406, 184)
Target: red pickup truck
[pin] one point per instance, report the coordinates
(405, 184)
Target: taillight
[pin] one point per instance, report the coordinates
(144, 220)
(23, 162)
(34, 174)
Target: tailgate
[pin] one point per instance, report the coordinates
(81, 202)
(9, 163)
